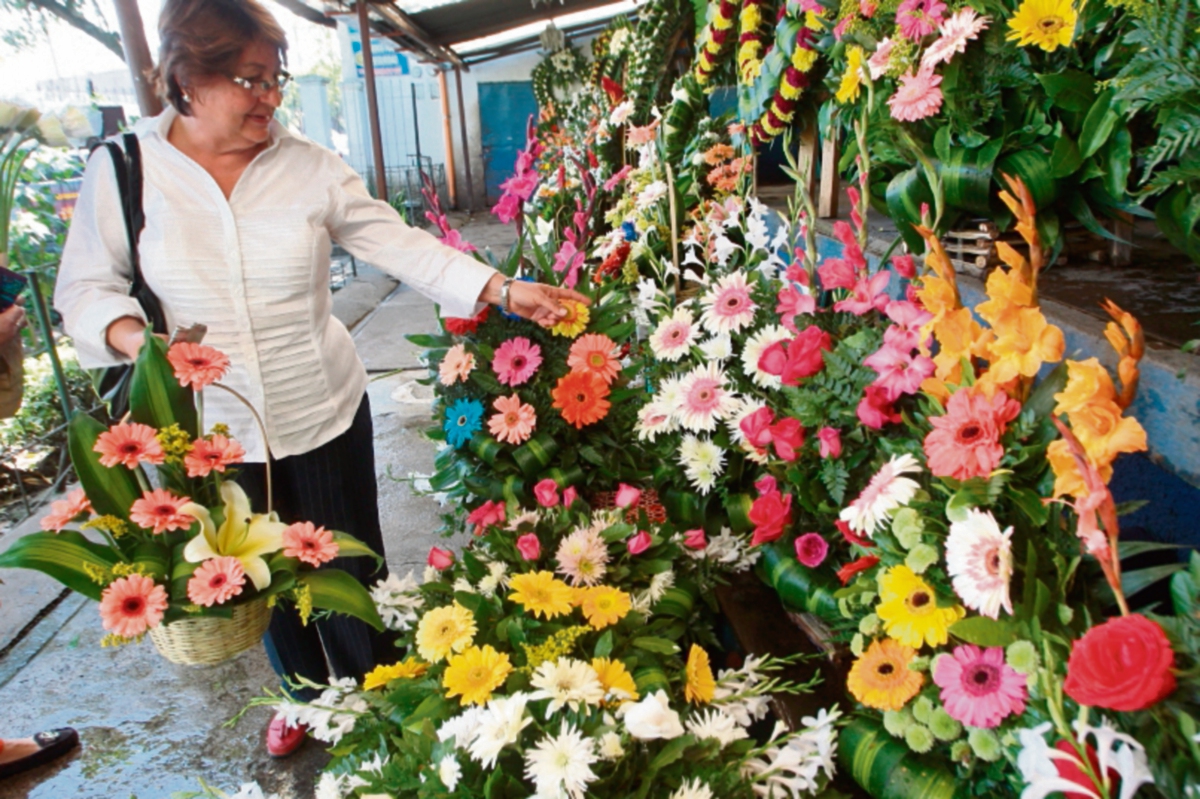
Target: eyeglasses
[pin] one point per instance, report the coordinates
(261, 86)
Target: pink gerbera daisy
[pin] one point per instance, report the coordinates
(216, 581)
(918, 96)
(456, 365)
(978, 688)
(197, 364)
(64, 511)
(965, 442)
(214, 453)
(918, 18)
(878, 63)
(583, 557)
(674, 336)
(887, 491)
(593, 353)
(129, 444)
(514, 420)
(516, 360)
(962, 27)
(728, 306)
(159, 511)
(312, 545)
(131, 605)
(704, 400)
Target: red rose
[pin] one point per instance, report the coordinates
(771, 513)
(804, 355)
(875, 410)
(1123, 664)
(788, 436)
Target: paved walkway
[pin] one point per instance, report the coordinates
(150, 728)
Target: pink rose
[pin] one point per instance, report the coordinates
(639, 543)
(811, 550)
(757, 427)
(788, 436)
(804, 355)
(875, 408)
(529, 546)
(695, 539)
(569, 496)
(627, 495)
(546, 492)
(830, 442)
(771, 514)
(440, 558)
(487, 514)
(774, 358)
(765, 484)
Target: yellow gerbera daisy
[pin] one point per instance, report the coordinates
(380, 676)
(910, 612)
(700, 685)
(851, 84)
(1049, 24)
(574, 322)
(541, 594)
(475, 673)
(450, 628)
(616, 679)
(605, 605)
(881, 678)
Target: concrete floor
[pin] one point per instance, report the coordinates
(149, 728)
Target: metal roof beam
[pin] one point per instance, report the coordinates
(404, 23)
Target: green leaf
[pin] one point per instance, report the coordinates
(1070, 90)
(905, 194)
(334, 589)
(61, 556)
(1033, 167)
(430, 342)
(1098, 124)
(155, 396)
(1117, 156)
(1128, 549)
(1065, 158)
(111, 491)
(351, 547)
(671, 752)
(967, 177)
(1041, 400)
(1134, 581)
(983, 631)
(604, 645)
(655, 644)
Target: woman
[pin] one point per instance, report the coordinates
(239, 219)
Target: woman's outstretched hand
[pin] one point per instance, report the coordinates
(537, 302)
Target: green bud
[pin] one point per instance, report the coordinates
(844, 608)
(960, 752)
(869, 624)
(897, 721)
(919, 738)
(857, 645)
(984, 744)
(921, 558)
(922, 709)
(943, 726)
(907, 527)
(920, 663)
(1022, 656)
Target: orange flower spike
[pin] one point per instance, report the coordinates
(1025, 211)
(1126, 337)
(937, 259)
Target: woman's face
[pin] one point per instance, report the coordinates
(231, 114)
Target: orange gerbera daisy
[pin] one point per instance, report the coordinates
(129, 445)
(197, 364)
(582, 398)
(593, 353)
(514, 420)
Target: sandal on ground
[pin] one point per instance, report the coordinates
(52, 745)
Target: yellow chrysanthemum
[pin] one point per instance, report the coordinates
(450, 628)
(541, 594)
(881, 678)
(605, 605)
(380, 676)
(851, 84)
(700, 686)
(1049, 24)
(475, 673)
(574, 322)
(616, 679)
(909, 610)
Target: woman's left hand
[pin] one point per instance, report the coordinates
(537, 302)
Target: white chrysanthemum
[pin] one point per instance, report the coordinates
(718, 725)
(497, 577)
(674, 336)
(727, 549)
(718, 349)
(886, 492)
(528, 517)
(979, 560)
(561, 764)
(704, 399)
(398, 601)
(464, 585)
(330, 786)
(431, 575)
(655, 418)
(651, 194)
(610, 746)
(727, 305)
(755, 346)
(702, 461)
(462, 728)
(499, 726)
(659, 584)
(693, 789)
(449, 772)
(567, 682)
(651, 718)
(670, 395)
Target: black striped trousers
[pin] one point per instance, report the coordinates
(332, 486)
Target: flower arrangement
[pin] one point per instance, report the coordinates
(185, 544)
(555, 658)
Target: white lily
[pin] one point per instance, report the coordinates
(243, 535)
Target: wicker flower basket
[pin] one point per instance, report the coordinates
(208, 640)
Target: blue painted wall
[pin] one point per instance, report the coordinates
(504, 111)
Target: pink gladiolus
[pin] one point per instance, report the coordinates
(791, 302)
(529, 546)
(546, 493)
(830, 442)
(639, 543)
(617, 177)
(900, 372)
(695, 539)
(508, 209)
(811, 550)
(866, 295)
(440, 558)
(627, 495)
(905, 266)
(837, 273)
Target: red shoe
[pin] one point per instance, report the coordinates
(283, 739)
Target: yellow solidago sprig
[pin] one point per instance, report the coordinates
(175, 443)
(112, 525)
(302, 596)
(701, 686)
(560, 644)
(475, 674)
(380, 676)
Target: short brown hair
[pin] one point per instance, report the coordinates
(204, 38)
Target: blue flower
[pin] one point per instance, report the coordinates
(463, 419)
(629, 230)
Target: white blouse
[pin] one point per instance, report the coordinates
(255, 270)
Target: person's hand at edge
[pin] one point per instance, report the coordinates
(537, 302)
